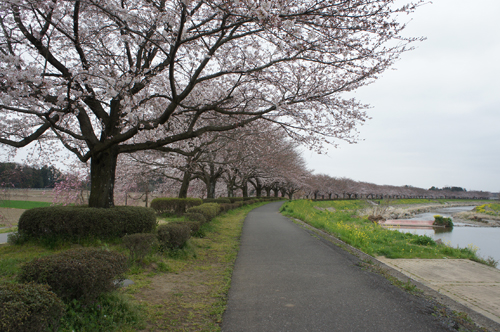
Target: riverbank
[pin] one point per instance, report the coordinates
(387, 211)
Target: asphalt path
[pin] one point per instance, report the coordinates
(285, 279)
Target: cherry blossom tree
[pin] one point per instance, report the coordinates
(107, 77)
(72, 187)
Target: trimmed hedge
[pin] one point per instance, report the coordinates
(173, 235)
(219, 200)
(81, 274)
(194, 226)
(194, 216)
(235, 199)
(209, 210)
(140, 244)
(76, 222)
(177, 205)
(29, 307)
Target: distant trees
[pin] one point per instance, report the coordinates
(23, 176)
(449, 188)
(327, 187)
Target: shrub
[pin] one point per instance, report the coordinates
(209, 210)
(194, 226)
(237, 204)
(224, 207)
(74, 222)
(235, 199)
(194, 216)
(442, 221)
(217, 200)
(176, 205)
(173, 235)
(29, 307)
(423, 240)
(16, 238)
(140, 244)
(81, 274)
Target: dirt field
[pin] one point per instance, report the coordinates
(9, 217)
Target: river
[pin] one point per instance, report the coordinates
(486, 239)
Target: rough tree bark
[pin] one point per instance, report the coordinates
(102, 178)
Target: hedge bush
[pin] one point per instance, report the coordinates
(176, 205)
(235, 199)
(81, 274)
(75, 222)
(209, 210)
(219, 200)
(194, 226)
(29, 307)
(194, 216)
(140, 244)
(173, 235)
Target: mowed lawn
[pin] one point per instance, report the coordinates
(22, 204)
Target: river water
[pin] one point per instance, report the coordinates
(486, 239)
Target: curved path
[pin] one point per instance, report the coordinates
(287, 280)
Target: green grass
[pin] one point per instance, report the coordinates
(8, 230)
(111, 312)
(492, 209)
(370, 238)
(411, 201)
(23, 204)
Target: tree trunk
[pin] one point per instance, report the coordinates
(211, 189)
(186, 179)
(276, 192)
(102, 178)
(230, 190)
(244, 188)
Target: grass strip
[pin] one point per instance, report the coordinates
(342, 219)
(22, 204)
(187, 289)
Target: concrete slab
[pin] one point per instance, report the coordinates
(474, 285)
(404, 222)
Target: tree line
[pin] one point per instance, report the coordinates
(14, 175)
(256, 160)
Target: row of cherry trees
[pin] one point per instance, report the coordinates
(326, 187)
(258, 160)
(113, 80)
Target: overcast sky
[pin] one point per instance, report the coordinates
(436, 118)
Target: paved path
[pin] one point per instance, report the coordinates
(287, 280)
(4, 237)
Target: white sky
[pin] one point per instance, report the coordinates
(436, 118)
